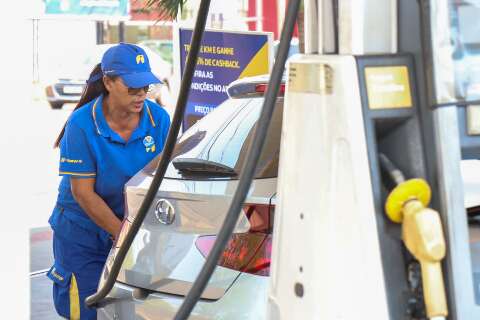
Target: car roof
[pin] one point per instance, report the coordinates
(249, 86)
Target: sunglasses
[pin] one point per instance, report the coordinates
(137, 91)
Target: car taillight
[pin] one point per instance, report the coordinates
(126, 224)
(248, 252)
(262, 88)
(49, 91)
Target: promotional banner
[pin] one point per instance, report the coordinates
(103, 8)
(224, 57)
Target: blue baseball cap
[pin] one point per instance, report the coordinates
(129, 62)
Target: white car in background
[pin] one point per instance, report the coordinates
(72, 74)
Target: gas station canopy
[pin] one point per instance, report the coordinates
(97, 9)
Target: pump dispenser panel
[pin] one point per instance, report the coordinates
(392, 127)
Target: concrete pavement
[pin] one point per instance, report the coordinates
(37, 196)
(41, 259)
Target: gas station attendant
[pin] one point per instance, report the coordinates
(112, 134)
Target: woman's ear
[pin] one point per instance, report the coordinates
(108, 83)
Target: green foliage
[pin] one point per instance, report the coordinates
(166, 8)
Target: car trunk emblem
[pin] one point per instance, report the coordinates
(164, 212)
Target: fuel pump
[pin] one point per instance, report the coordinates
(336, 253)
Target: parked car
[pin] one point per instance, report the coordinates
(180, 229)
(74, 71)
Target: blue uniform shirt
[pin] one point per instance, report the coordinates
(91, 149)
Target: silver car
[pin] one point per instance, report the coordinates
(178, 233)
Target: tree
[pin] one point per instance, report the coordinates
(166, 8)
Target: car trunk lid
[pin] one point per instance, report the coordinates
(164, 256)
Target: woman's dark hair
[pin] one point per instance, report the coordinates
(166, 82)
(92, 90)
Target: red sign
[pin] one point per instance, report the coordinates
(269, 17)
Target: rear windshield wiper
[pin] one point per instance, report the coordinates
(203, 167)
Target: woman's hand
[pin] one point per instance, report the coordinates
(84, 193)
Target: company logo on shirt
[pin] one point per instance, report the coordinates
(63, 159)
(149, 144)
(140, 59)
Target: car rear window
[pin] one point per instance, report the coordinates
(225, 135)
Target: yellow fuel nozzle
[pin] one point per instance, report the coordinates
(423, 236)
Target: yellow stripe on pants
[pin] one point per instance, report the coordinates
(74, 299)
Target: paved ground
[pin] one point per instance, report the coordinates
(41, 258)
(44, 124)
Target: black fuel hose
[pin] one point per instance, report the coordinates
(395, 174)
(249, 167)
(96, 299)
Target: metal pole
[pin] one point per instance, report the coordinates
(121, 31)
(311, 27)
(327, 33)
(100, 32)
(281, 7)
(36, 72)
(259, 5)
(367, 26)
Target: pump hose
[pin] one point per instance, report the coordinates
(249, 167)
(395, 174)
(98, 299)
